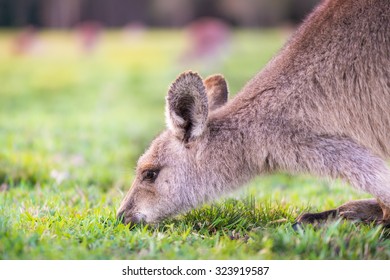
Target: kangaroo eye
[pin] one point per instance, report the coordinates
(150, 175)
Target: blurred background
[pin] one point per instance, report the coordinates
(83, 82)
(166, 13)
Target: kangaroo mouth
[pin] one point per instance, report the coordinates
(131, 218)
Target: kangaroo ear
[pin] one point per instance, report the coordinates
(217, 91)
(186, 107)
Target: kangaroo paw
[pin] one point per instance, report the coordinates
(364, 210)
(314, 218)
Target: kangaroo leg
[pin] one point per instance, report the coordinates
(386, 213)
(340, 157)
(365, 210)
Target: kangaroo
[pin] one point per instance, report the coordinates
(321, 106)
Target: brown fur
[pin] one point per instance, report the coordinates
(321, 106)
(366, 210)
(217, 91)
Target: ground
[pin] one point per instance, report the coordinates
(73, 123)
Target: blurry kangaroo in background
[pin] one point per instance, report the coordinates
(321, 106)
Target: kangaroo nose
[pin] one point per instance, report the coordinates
(136, 218)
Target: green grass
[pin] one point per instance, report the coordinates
(72, 127)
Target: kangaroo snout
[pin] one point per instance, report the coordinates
(127, 213)
(127, 217)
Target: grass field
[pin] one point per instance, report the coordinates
(72, 126)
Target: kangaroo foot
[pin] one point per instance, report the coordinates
(314, 218)
(364, 210)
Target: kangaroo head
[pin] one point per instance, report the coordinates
(169, 177)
